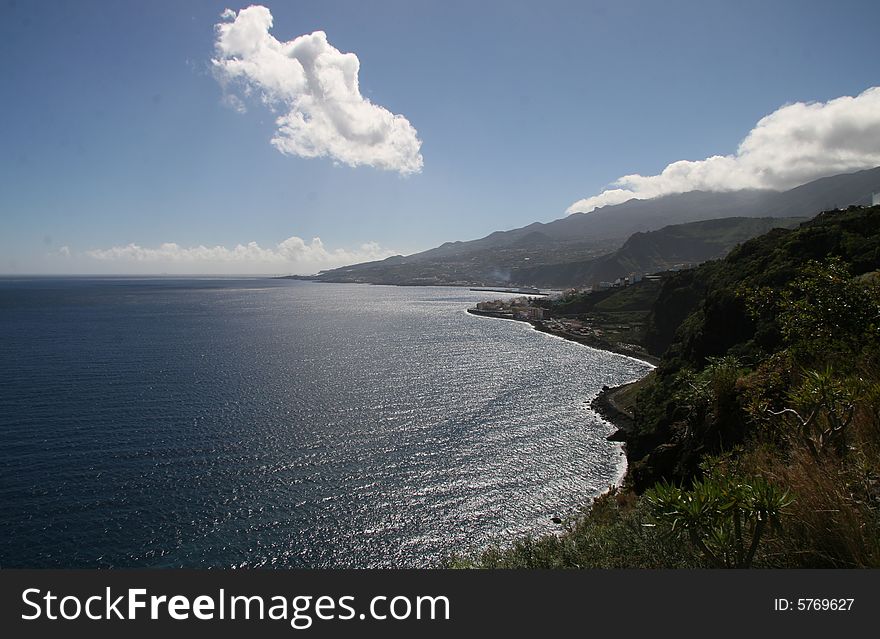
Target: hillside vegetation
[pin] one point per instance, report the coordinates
(649, 252)
(756, 441)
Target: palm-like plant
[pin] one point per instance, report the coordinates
(723, 517)
(826, 404)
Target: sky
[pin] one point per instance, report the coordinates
(289, 137)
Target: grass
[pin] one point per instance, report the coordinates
(616, 531)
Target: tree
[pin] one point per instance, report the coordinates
(824, 312)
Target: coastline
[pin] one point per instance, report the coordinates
(606, 404)
(598, 344)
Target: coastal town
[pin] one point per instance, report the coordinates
(578, 314)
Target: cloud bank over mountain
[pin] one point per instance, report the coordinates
(313, 88)
(793, 145)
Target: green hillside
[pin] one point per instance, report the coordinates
(672, 246)
(756, 441)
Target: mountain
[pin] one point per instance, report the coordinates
(493, 260)
(671, 246)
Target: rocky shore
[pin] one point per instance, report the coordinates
(606, 406)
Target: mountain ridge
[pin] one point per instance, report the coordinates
(676, 245)
(579, 237)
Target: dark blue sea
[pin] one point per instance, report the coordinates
(257, 422)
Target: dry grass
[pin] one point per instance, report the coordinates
(835, 518)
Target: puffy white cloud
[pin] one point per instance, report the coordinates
(314, 87)
(292, 252)
(793, 145)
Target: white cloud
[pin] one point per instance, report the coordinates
(234, 102)
(793, 145)
(291, 253)
(314, 87)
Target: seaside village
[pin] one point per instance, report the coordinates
(528, 309)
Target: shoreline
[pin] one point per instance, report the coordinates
(604, 403)
(598, 344)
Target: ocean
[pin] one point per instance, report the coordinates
(173, 422)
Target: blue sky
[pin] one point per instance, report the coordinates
(117, 130)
